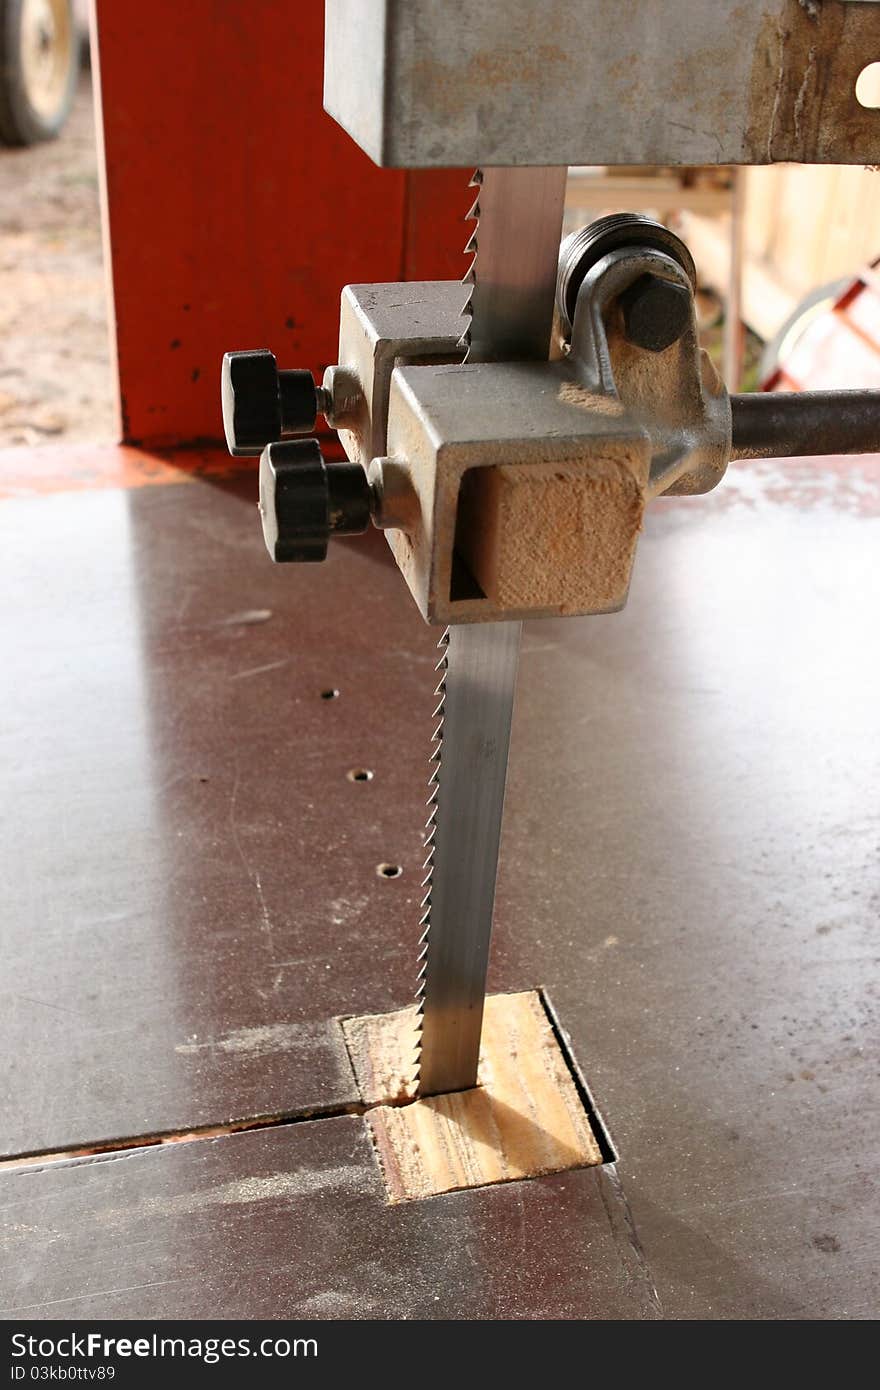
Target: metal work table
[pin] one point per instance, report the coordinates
(191, 897)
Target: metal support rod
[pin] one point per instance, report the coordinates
(792, 424)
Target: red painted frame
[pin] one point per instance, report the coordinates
(235, 208)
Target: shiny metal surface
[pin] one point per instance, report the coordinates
(516, 253)
(190, 878)
(478, 696)
(706, 927)
(518, 216)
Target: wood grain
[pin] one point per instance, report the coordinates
(523, 1118)
(553, 535)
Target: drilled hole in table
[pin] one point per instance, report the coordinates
(389, 870)
(359, 774)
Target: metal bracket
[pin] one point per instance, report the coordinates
(380, 327)
(676, 394)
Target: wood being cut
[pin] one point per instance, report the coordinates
(523, 1118)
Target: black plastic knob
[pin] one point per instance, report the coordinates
(261, 404)
(304, 500)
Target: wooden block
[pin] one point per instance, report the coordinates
(523, 1118)
(552, 535)
(383, 1053)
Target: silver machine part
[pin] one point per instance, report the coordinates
(477, 707)
(514, 276)
(381, 326)
(511, 310)
(536, 85)
(422, 83)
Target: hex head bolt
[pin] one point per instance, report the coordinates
(655, 312)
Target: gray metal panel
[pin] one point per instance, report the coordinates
(358, 43)
(189, 878)
(446, 82)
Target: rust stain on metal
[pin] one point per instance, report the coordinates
(489, 72)
(802, 102)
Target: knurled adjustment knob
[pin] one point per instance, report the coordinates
(304, 500)
(261, 403)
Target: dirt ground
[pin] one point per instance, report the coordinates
(55, 374)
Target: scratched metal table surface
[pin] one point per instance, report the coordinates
(690, 867)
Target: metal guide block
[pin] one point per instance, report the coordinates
(379, 327)
(526, 493)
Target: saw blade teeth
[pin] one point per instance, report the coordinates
(469, 278)
(430, 847)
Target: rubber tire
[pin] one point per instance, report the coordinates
(20, 123)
